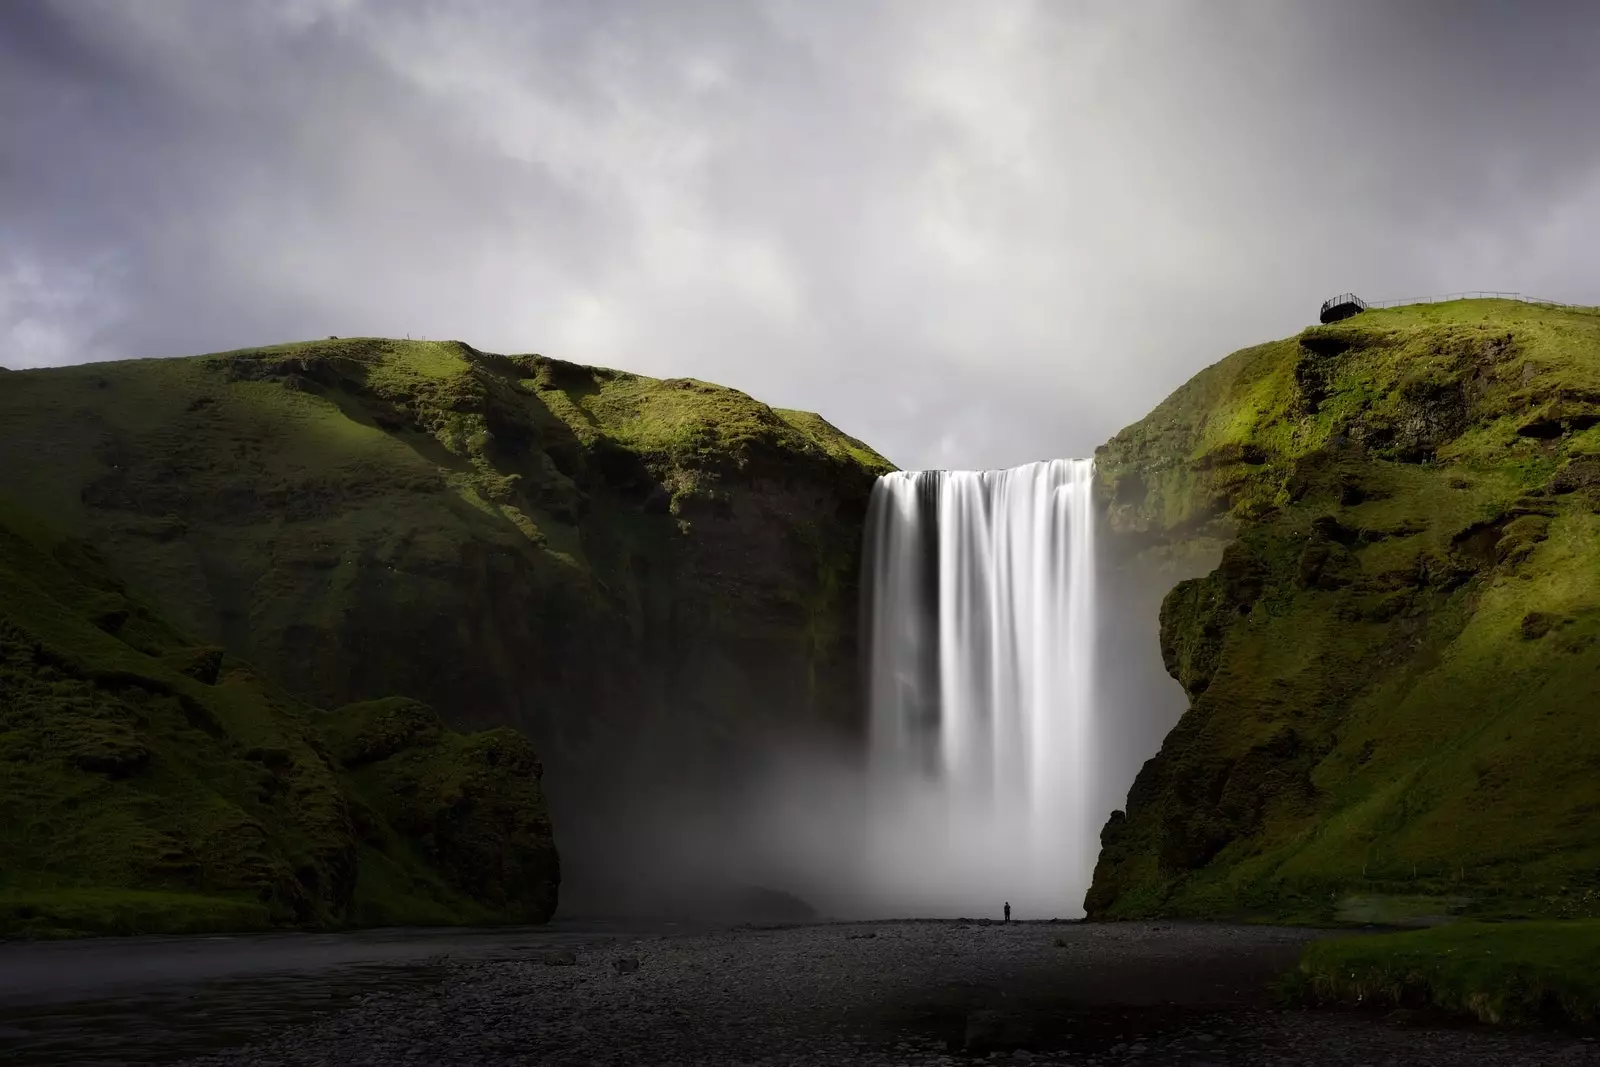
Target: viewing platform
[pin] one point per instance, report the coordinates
(1342, 307)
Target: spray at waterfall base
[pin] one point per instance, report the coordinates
(980, 627)
(1015, 686)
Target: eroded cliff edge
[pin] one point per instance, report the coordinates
(1394, 671)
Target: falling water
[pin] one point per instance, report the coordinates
(981, 621)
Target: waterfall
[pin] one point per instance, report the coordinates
(980, 621)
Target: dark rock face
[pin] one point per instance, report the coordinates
(1581, 476)
(1196, 615)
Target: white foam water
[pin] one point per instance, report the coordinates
(979, 596)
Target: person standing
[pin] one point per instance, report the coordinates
(1008, 912)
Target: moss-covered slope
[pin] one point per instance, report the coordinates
(1395, 671)
(151, 783)
(587, 555)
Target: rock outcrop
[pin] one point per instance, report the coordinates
(1393, 670)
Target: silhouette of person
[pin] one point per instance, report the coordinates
(1008, 911)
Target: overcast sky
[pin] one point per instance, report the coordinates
(972, 233)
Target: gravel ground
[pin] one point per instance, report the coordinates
(890, 993)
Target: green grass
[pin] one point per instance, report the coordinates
(1182, 463)
(1493, 972)
(834, 441)
(683, 417)
(470, 808)
(691, 432)
(1393, 672)
(155, 785)
(1376, 910)
(592, 557)
(512, 539)
(80, 912)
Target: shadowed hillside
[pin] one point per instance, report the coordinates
(1394, 670)
(154, 784)
(638, 574)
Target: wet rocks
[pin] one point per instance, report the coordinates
(988, 1030)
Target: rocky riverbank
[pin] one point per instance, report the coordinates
(889, 993)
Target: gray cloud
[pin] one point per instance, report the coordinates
(973, 234)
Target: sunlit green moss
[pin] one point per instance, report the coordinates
(1393, 672)
(502, 536)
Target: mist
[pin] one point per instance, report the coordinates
(804, 823)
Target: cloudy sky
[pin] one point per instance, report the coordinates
(973, 233)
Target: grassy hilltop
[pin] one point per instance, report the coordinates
(154, 784)
(578, 552)
(1394, 673)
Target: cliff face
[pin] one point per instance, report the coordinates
(1394, 669)
(614, 565)
(155, 784)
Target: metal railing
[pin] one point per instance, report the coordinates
(1342, 299)
(1477, 295)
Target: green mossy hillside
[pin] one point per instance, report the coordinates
(590, 556)
(1394, 671)
(1527, 972)
(153, 784)
(470, 806)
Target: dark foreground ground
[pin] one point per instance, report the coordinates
(878, 993)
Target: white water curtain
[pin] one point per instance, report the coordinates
(981, 630)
